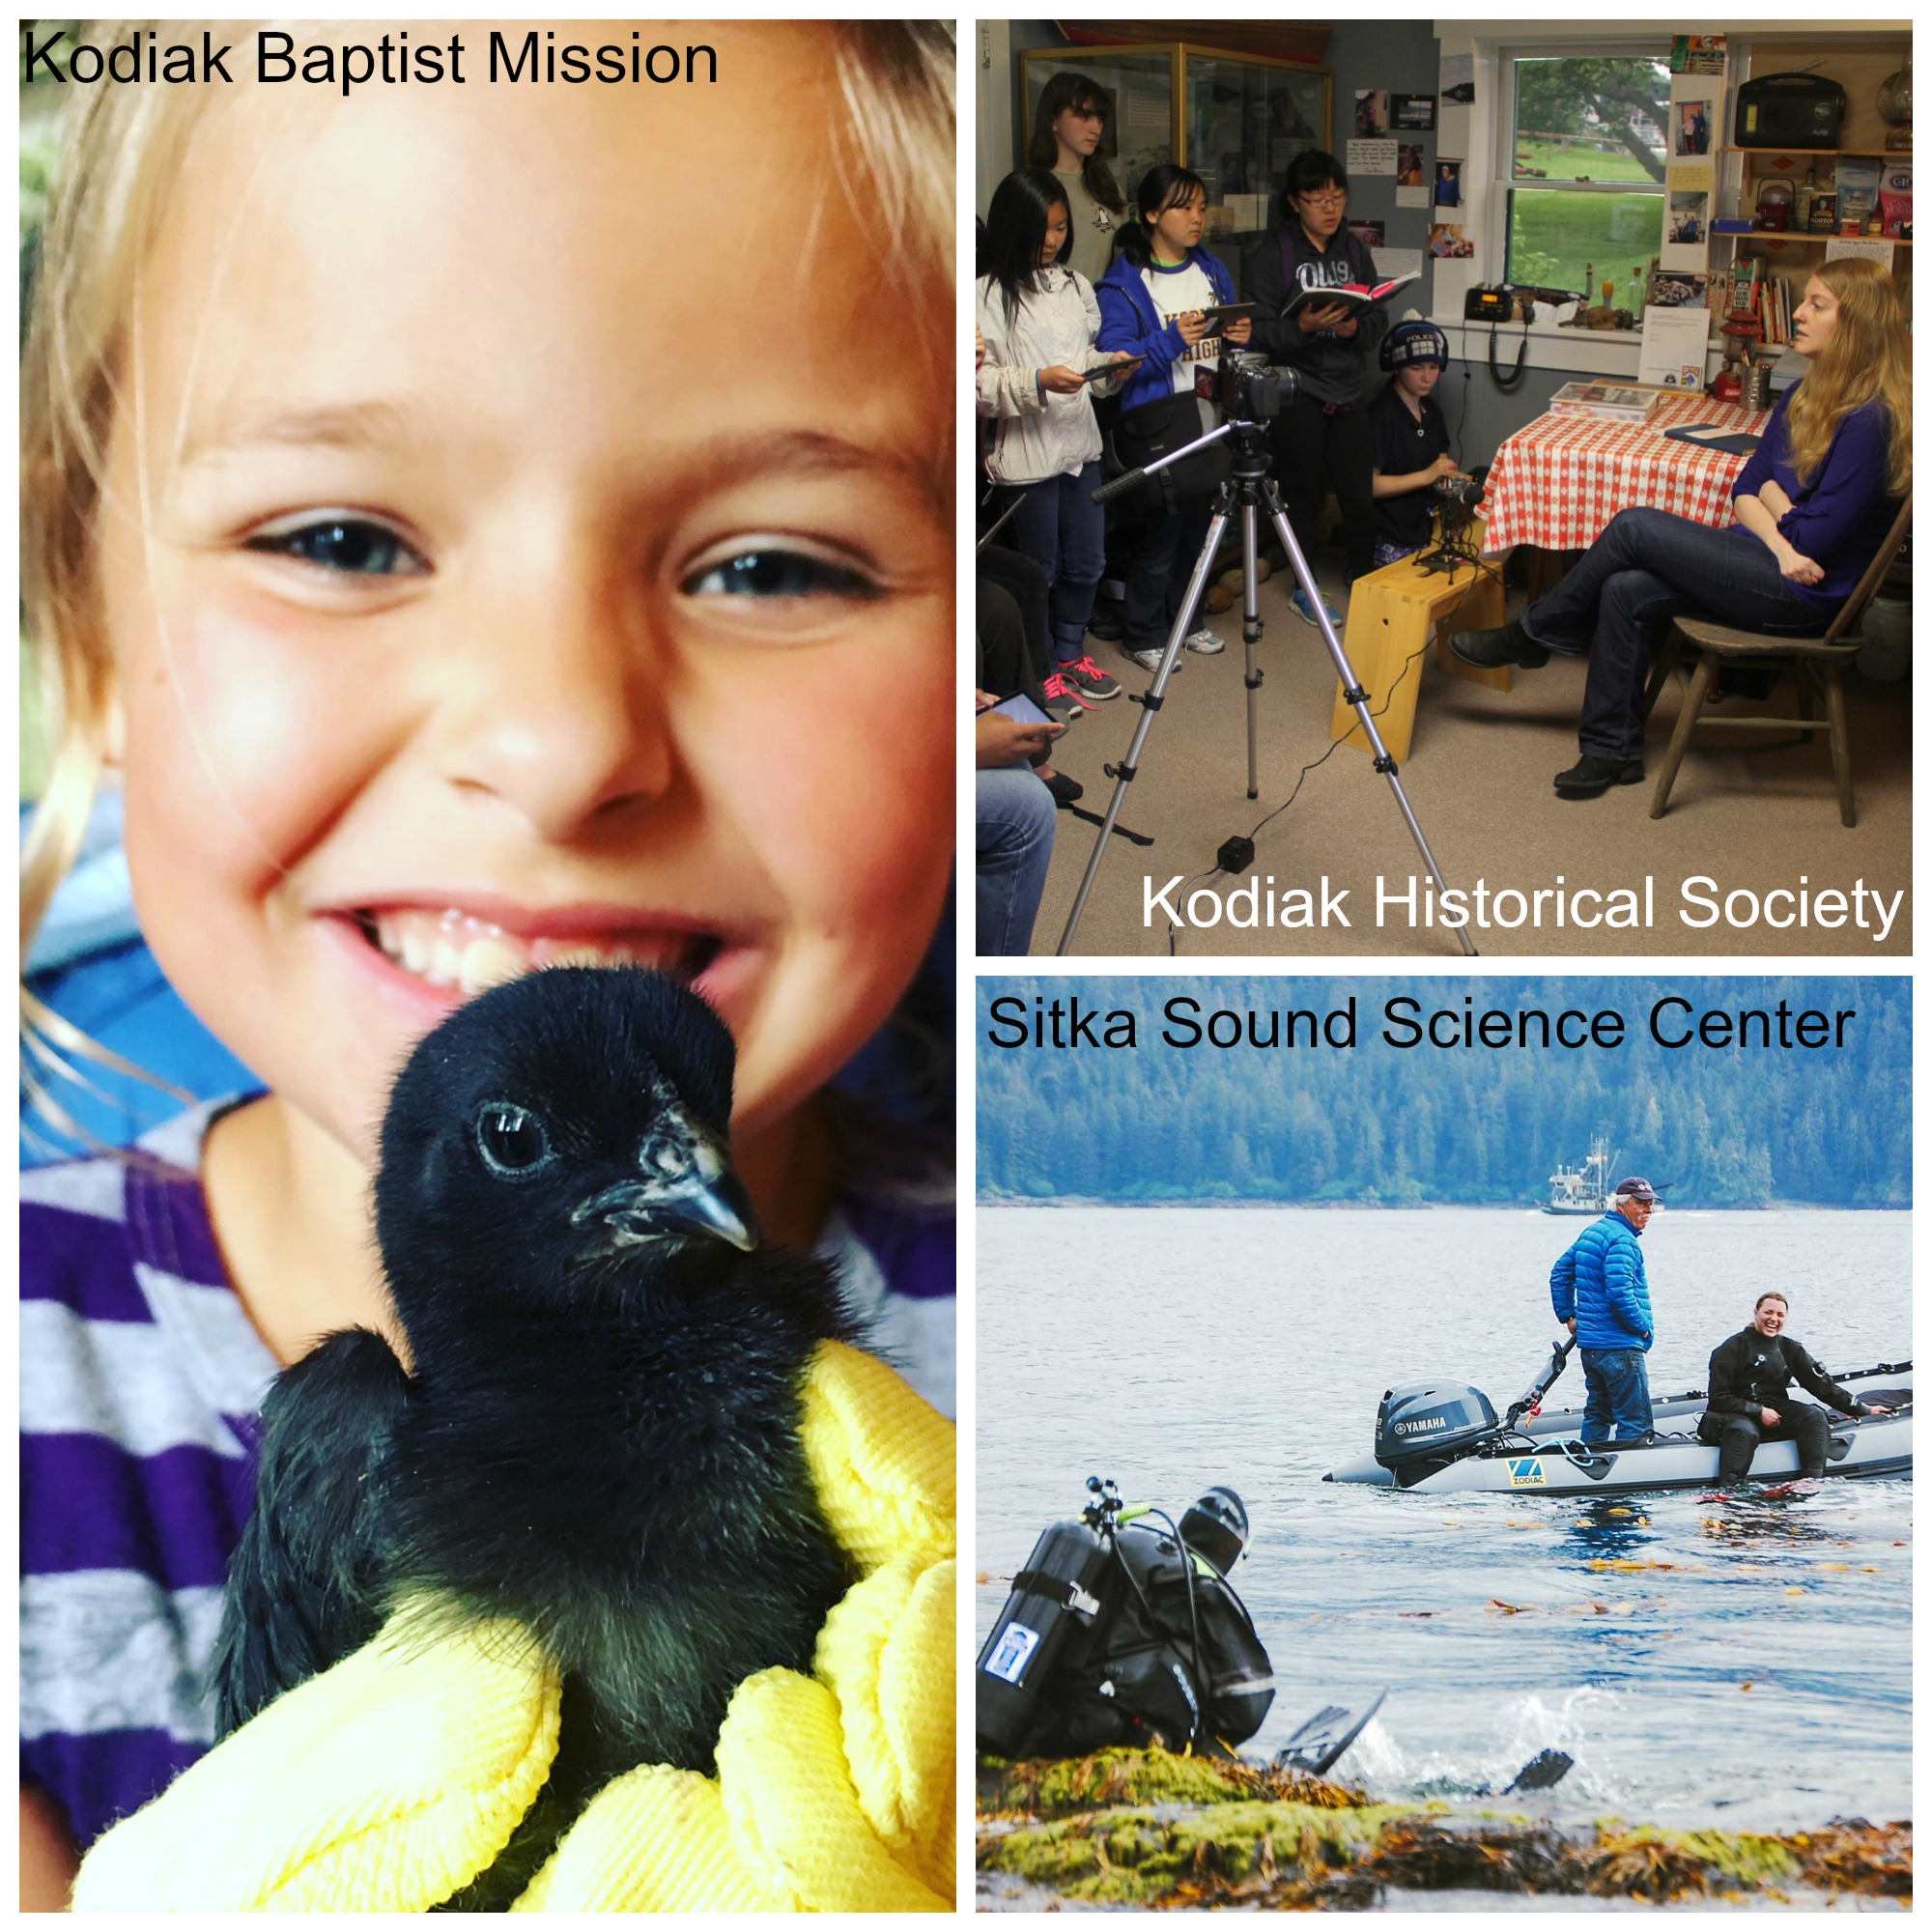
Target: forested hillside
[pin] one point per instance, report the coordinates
(1724, 1126)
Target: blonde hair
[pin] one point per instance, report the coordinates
(1868, 359)
(124, 146)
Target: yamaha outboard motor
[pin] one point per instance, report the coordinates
(1421, 1424)
(1117, 1633)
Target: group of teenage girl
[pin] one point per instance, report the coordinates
(1080, 301)
(1080, 297)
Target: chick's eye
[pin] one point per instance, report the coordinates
(344, 546)
(772, 573)
(512, 1140)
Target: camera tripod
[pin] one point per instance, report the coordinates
(1250, 487)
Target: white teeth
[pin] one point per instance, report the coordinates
(453, 949)
(490, 962)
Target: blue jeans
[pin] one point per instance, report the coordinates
(1016, 843)
(1619, 1389)
(1065, 531)
(1647, 568)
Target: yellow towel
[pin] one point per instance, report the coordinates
(390, 1781)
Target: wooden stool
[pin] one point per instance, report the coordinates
(1392, 615)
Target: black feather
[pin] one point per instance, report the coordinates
(306, 1583)
(599, 1433)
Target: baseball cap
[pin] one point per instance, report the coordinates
(1635, 1188)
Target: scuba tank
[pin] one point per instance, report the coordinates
(1119, 1633)
(1052, 1599)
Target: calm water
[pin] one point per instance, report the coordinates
(1175, 1347)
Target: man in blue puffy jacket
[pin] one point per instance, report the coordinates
(1598, 1289)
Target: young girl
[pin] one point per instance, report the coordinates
(459, 583)
(1069, 129)
(1326, 424)
(1151, 308)
(1410, 439)
(1813, 505)
(1038, 320)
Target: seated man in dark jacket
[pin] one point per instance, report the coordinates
(1747, 1403)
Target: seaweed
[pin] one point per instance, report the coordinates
(1054, 1787)
(1149, 1829)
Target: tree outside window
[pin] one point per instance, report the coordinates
(1595, 131)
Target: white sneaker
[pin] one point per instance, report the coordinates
(1205, 643)
(1150, 658)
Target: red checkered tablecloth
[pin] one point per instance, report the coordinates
(1559, 480)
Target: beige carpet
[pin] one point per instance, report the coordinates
(1751, 819)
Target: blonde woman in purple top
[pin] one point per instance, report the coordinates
(1813, 505)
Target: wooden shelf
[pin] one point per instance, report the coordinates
(1809, 154)
(1774, 235)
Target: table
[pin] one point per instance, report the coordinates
(1392, 615)
(1559, 480)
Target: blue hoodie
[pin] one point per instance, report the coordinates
(1129, 320)
(1599, 1280)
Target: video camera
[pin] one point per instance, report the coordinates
(1246, 387)
(1120, 1632)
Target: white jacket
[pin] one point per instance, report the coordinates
(1039, 436)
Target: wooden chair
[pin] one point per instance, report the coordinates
(1819, 663)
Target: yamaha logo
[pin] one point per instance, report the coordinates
(1427, 1423)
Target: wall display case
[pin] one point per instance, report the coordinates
(1236, 120)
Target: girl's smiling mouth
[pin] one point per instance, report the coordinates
(465, 951)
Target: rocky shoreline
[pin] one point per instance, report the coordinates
(1137, 1829)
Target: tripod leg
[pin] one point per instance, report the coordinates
(1149, 703)
(1251, 627)
(1351, 690)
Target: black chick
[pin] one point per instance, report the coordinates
(598, 1435)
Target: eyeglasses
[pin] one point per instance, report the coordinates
(1324, 200)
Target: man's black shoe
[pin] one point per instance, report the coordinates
(1105, 623)
(1589, 777)
(1508, 644)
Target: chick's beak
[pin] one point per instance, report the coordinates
(686, 1189)
(644, 1210)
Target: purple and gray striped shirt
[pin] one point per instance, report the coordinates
(140, 1378)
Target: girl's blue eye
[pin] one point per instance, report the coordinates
(350, 546)
(780, 573)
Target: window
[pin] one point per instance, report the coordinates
(1582, 166)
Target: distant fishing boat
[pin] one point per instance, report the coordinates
(1584, 1189)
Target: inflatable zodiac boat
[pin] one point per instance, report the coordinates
(1441, 1436)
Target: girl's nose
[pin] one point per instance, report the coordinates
(557, 708)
